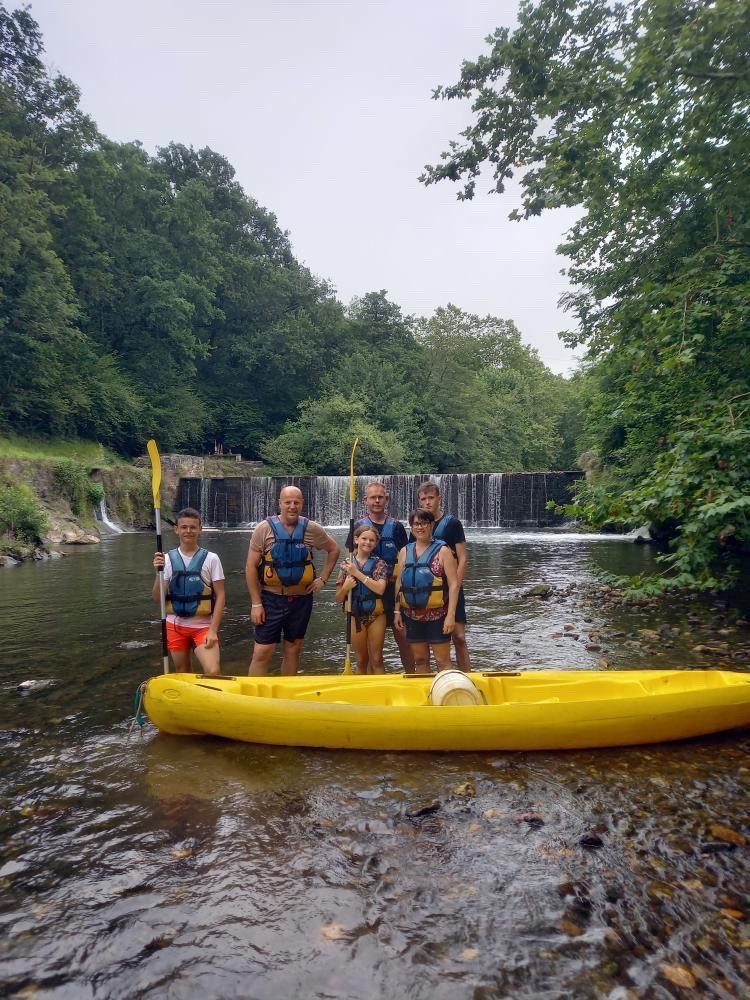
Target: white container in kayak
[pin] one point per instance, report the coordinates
(453, 687)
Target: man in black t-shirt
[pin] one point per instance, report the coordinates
(450, 530)
(392, 540)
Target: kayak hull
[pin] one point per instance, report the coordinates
(544, 710)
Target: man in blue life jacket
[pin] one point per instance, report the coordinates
(392, 539)
(282, 582)
(450, 530)
(194, 581)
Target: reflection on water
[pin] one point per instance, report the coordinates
(156, 866)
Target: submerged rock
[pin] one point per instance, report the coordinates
(424, 809)
(25, 687)
(540, 590)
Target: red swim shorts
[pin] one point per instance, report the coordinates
(181, 639)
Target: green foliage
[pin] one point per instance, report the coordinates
(488, 400)
(321, 440)
(460, 391)
(95, 493)
(637, 113)
(149, 296)
(136, 290)
(89, 452)
(71, 479)
(21, 517)
(700, 483)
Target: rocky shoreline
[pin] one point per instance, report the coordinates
(62, 531)
(128, 499)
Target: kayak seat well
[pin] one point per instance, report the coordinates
(507, 691)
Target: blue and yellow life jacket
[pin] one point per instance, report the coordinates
(189, 595)
(288, 566)
(364, 601)
(386, 549)
(420, 588)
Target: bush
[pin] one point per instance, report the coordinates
(21, 517)
(72, 481)
(95, 493)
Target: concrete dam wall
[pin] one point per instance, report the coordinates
(481, 499)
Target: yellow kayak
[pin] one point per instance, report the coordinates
(545, 710)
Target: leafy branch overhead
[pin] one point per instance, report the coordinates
(636, 114)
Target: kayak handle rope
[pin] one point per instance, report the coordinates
(138, 719)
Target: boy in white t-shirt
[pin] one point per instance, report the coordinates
(194, 581)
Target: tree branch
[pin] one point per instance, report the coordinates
(712, 74)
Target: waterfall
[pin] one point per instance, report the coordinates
(478, 499)
(100, 513)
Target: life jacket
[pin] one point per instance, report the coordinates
(189, 595)
(420, 588)
(386, 549)
(438, 532)
(288, 566)
(364, 602)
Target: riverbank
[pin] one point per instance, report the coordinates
(49, 490)
(57, 493)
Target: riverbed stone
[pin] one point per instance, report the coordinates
(540, 590)
(76, 536)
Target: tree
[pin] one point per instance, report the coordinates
(320, 441)
(638, 114)
(490, 402)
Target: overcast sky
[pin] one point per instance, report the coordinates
(324, 109)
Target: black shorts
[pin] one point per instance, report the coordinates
(287, 615)
(461, 607)
(430, 632)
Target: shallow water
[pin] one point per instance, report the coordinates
(157, 866)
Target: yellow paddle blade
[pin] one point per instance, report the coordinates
(153, 454)
(352, 490)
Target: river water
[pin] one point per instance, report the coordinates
(139, 865)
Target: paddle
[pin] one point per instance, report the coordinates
(153, 454)
(352, 499)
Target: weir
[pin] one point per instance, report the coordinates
(479, 499)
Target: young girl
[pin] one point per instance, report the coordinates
(365, 578)
(427, 593)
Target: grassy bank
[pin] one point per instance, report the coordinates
(49, 488)
(51, 449)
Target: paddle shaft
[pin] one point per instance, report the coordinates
(352, 499)
(153, 454)
(162, 600)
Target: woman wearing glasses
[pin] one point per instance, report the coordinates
(427, 593)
